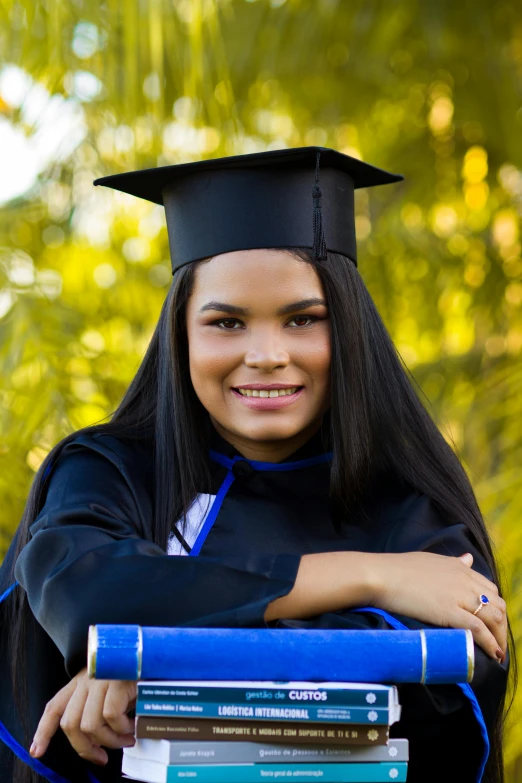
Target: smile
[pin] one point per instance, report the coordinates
(267, 392)
(271, 399)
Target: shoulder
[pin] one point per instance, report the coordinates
(128, 455)
(421, 524)
(389, 499)
(404, 513)
(98, 465)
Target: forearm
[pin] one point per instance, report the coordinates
(441, 590)
(71, 583)
(326, 582)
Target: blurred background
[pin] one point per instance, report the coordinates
(431, 90)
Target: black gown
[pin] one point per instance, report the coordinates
(91, 560)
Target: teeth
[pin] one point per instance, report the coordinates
(267, 392)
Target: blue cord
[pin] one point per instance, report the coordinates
(464, 686)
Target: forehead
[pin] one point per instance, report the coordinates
(257, 276)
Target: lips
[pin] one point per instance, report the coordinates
(279, 392)
(265, 398)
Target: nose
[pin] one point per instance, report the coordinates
(266, 352)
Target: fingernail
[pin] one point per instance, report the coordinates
(32, 749)
(499, 654)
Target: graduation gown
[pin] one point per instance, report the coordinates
(91, 560)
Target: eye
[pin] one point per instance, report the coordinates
(228, 324)
(298, 320)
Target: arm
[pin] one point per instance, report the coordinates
(427, 587)
(446, 737)
(326, 582)
(90, 560)
(94, 528)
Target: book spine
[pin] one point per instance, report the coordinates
(269, 695)
(259, 731)
(179, 752)
(252, 773)
(379, 716)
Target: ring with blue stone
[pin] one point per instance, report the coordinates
(483, 601)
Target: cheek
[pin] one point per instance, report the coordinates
(210, 362)
(314, 357)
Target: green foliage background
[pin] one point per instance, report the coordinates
(432, 90)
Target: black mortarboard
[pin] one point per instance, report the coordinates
(263, 199)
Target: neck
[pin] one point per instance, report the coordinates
(266, 450)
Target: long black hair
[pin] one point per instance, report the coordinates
(377, 420)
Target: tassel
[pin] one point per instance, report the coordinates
(319, 248)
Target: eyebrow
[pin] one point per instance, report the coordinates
(302, 304)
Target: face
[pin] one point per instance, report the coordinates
(259, 349)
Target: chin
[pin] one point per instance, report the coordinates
(270, 432)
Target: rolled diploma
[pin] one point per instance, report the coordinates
(133, 652)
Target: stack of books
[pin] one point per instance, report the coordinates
(243, 732)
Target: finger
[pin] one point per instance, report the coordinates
(70, 724)
(493, 598)
(481, 633)
(104, 735)
(483, 586)
(95, 726)
(50, 720)
(117, 700)
(493, 615)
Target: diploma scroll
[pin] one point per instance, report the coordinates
(133, 652)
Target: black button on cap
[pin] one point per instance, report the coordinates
(242, 469)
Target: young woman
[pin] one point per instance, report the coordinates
(272, 417)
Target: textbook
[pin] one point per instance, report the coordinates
(133, 652)
(154, 772)
(343, 694)
(360, 715)
(259, 731)
(179, 752)
(293, 701)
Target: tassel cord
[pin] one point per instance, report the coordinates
(319, 248)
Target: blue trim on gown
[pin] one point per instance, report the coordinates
(228, 463)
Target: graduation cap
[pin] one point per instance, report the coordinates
(297, 197)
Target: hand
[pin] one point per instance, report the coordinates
(91, 713)
(443, 591)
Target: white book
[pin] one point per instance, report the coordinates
(177, 752)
